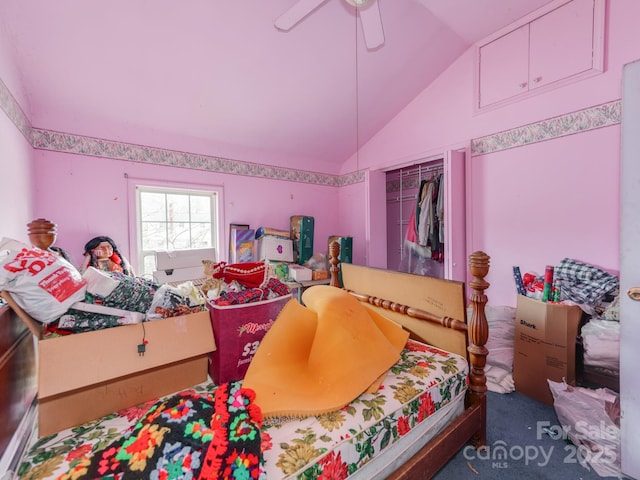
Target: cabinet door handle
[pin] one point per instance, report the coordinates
(537, 80)
(523, 85)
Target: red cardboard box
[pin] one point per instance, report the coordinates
(238, 330)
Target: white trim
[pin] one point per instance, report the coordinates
(133, 209)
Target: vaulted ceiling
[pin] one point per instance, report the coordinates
(216, 76)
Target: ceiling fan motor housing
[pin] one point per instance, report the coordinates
(358, 3)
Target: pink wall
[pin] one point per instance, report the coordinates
(15, 150)
(577, 175)
(352, 219)
(88, 196)
(16, 191)
(535, 205)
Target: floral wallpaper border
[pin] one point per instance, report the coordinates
(583, 120)
(11, 107)
(97, 147)
(591, 118)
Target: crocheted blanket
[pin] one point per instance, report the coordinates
(185, 436)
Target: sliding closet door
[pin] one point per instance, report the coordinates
(455, 262)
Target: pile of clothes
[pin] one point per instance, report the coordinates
(114, 298)
(240, 283)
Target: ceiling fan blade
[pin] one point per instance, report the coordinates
(371, 25)
(297, 12)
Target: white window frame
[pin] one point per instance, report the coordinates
(135, 234)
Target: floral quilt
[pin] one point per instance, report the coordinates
(333, 445)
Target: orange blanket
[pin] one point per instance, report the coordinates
(317, 358)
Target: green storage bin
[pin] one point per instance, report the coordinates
(302, 228)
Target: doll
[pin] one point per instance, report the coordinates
(102, 254)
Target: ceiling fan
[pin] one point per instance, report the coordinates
(368, 11)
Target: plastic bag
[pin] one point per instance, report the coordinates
(169, 301)
(44, 284)
(591, 420)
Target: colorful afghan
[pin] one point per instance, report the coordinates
(186, 436)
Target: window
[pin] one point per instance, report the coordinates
(174, 219)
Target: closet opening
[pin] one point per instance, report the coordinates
(440, 225)
(415, 219)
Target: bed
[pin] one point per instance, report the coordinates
(432, 402)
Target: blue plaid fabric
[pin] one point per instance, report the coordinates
(583, 283)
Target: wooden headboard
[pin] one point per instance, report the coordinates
(432, 309)
(439, 298)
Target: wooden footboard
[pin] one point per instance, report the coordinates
(434, 311)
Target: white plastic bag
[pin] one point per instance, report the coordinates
(590, 419)
(44, 284)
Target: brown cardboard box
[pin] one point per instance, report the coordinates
(85, 376)
(319, 275)
(544, 346)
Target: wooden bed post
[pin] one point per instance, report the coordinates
(334, 253)
(478, 330)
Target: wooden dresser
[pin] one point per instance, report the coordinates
(17, 373)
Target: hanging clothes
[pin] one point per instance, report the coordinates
(436, 232)
(426, 217)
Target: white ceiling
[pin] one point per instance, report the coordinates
(215, 77)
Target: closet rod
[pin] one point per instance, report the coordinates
(403, 198)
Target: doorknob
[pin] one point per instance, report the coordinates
(634, 293)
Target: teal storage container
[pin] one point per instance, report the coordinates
(302, 229)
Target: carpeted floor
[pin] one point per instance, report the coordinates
(519, 447)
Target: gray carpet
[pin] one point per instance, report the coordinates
(517, 423)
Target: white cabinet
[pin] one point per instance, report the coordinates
(561, 43)
(504, 67)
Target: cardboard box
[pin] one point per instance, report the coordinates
(544, 346)
(271, 247)
(85, 376)
(238, 330)
(301, 232)
(182, 265)
(319, 275)
(299, 273)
